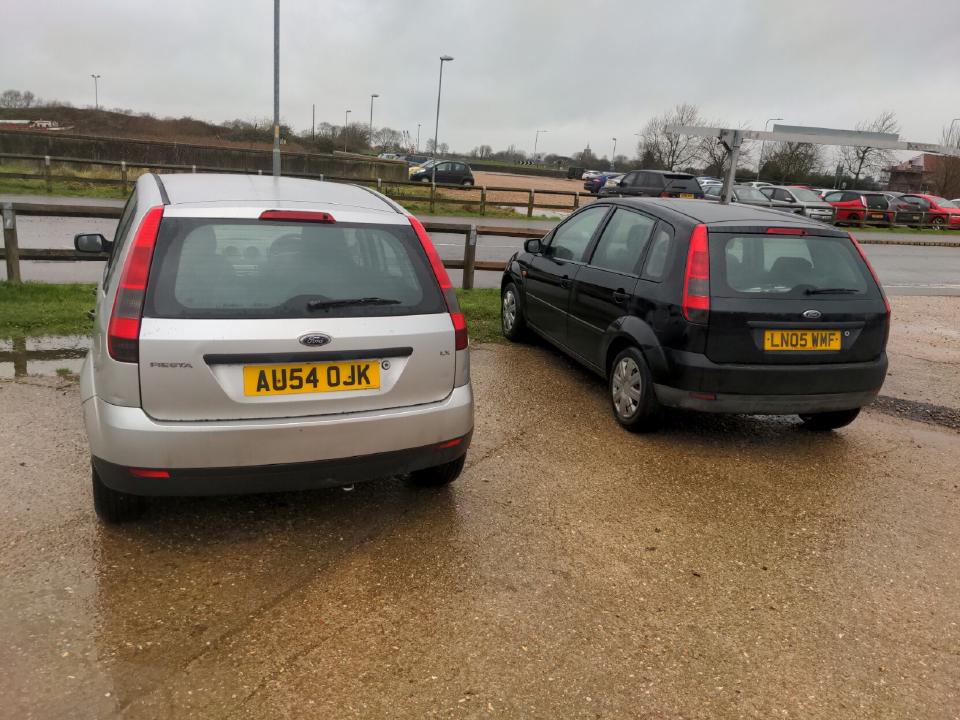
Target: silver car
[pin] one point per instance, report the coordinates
(255, 334)
(804, 201)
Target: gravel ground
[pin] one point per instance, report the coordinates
(722, 568)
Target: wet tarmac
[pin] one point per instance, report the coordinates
(722, 568)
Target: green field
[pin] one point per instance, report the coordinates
(34, 309)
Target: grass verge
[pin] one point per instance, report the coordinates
(45, 309)
(482, 310)
(33, 309)
(15, 186)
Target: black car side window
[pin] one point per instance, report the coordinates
(623, 241)
(656, 262)
(570, 240)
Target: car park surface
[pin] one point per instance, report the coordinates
(723, 568)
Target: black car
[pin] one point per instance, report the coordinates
(719, 308)
(448, 172)
(655, 183)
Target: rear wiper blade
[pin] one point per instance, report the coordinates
(327, 304)
(831, 291)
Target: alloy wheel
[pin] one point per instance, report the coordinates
(627, 388)
(509, 310)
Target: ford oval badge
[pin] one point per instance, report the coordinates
(315, 339)
(809, 314)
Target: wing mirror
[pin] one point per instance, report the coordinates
(533, 246)
(91, 243)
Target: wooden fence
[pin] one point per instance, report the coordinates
(13, 254)
(400, 190)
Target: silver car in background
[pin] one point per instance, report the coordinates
(255, 334)
(805, 201)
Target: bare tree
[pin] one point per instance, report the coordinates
(670, 150)
(714, 155)
(16, 99)
(946, 173)
(859, 160)
(793, 160)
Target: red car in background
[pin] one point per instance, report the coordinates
(855, 206)
(940, 212)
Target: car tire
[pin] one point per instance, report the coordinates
(438, 475)
(114, 507)
(425, 180)
(513, 324)
(632, 397)
(825, 421)
(938, 223)
(467, 183)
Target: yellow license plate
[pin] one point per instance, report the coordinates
(686, 195)
(801, 340)
(311, 378)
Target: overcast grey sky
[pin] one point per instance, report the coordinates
(586, 71)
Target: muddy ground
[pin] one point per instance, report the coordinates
(721, 568)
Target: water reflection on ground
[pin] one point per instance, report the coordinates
(46, 355)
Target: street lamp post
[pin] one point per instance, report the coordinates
(346, 123)
(436, 128)
(535, 140)
(763, 144)
(614, 154)
(418, 137)
(374, 95)
(96, 91)
(276, 88)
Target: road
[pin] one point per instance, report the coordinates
(903, 269)
(722, 568)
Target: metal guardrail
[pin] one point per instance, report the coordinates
(13, 254)
(533, 200)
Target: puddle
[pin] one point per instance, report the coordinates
(540, 212)
(42, 355)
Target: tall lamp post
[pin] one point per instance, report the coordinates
(96, 91)
(535, 140)
(418, 137)
(614, 154)
(436, 128)
(763, 144)
(346, 123)
(276, 88)
(372, 96)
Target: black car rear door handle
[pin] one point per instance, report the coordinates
(565, 281)
(620, 296)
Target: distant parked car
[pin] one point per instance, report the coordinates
(758, 184)
(940, 212)
(388, 156)
(708, 180)
(744, 194)
(416, 160)
(591, 174)
(598, 181)
(655, 183)
(811, 204)
(448, 172)
(904, 213)
(855, 206)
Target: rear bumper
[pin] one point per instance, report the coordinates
(127, 437)
(279, 478)
(772, 389)
(765, 404)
